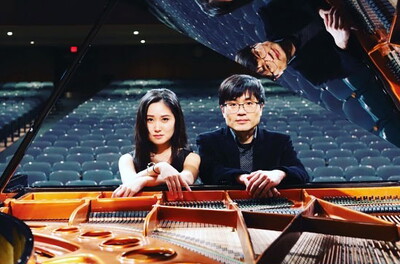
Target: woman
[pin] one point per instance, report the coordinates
(162, 155)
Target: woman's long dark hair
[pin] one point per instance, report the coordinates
(143, 145)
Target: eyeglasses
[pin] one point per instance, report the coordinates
(268, 67)
(249, 107)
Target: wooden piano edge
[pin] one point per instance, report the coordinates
(369, 228)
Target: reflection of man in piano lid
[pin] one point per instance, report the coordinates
(270, 58)
(161, 155)
(220, 7)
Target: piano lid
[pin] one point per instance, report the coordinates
(360, 81)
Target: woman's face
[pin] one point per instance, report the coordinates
(160, 123)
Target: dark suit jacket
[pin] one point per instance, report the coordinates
(220, 162)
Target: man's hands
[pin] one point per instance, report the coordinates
(261, 184)
(336, 26)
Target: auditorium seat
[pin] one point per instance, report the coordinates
(67, 137)
(92, 143)
(95, 165)
(114, 137)
(313, 163)
(343, 162)
(329, 179)
(109, 157)
(358, 171)
(123, 131)
(114, 167)
(47, 137)
(40, 144)
(331, 153)
(50, 158)
(301, 146)
(367, 152)
(47, 184)
(324, 146)
(34, 176)
(81, 183)
(391, 153)
(353, 145)
(321, 139)
(388, 171)
(381, 145)
(113, 182)
(92, 137)
(310, 133)
(102, 131)
(67, 165)
(106, 149)
(126, 149)
(56, 150)
(34, 151)
(343, 139)
(27, 158)
(65, 143)
(97, 175)
(81, 149)
(309, 153)
(80, 157)
(375, 161)
(365, 179)
(396, 161)
(37, 166)
(336, 133)
(367, 139)
(64, 176)
(328, 171)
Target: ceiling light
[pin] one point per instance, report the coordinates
(9, 33)
(32, 42)
(143, 41)
(135, 32)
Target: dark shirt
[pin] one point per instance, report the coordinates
(176, 163)
(317, 57)
(220, 157)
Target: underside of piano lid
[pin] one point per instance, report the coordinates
(362, 82)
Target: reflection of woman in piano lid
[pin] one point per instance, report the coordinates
(317, 55)
(161, 155)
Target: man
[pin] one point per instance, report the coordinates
(319, 51)
(244, 153)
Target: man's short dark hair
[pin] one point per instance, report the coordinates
(246, 58)
(217, 8)
(237, 85)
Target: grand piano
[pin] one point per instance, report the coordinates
(330, 222)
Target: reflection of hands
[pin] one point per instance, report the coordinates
(170, 176)
(129, 190)
(261, 184)
(335, 25)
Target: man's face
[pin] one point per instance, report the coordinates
(271, 59)
(236, 116)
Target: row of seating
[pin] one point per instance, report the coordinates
(102, 128)
(355, 173)
(19, 104)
